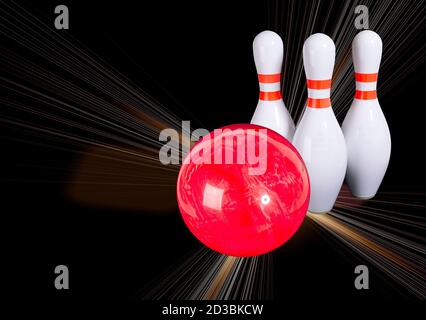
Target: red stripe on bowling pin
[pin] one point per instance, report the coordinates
(319, 93)
(366, 84)
(269, 83)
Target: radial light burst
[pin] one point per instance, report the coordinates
(387, 239)
(207, 275)
(58, 90)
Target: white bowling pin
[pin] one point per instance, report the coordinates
(318, 136)
(365, 128)
(270, 111)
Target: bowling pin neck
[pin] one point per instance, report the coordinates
(366, 84)
(366, 53)
(319, 93)
(270, 87)
(268, 50)
(318, 59)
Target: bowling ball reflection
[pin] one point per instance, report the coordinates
(243, 190)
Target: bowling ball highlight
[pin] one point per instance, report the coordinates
(243, 190)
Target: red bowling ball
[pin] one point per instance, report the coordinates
(243, 190)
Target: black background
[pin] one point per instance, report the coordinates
(195, 58)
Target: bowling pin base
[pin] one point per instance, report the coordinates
(318, 212)
(365, 197)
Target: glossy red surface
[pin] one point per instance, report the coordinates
(230, 209)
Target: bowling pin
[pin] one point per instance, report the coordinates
(318, 136)
(271, 112)
(365, 128)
